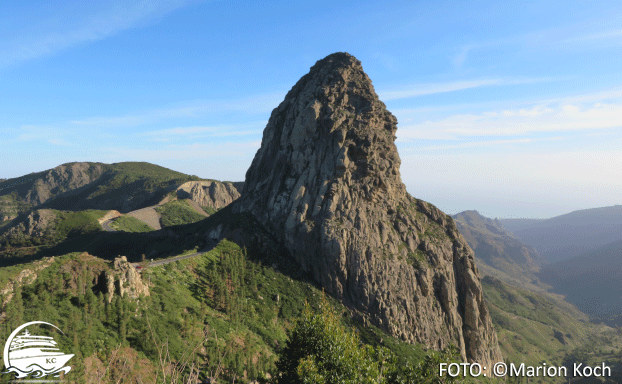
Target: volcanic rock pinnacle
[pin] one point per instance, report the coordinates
(326, 183)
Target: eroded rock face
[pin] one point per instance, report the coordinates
(213, 194)
(36, 224)
(124, 279)
(61, 179)
(326, 183)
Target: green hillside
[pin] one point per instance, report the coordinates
(125, 187)
(224, 308)
(177, 212)
(129, 224)
(77, 186)
(44, 229)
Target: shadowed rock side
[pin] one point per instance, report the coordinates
(213, 194)
(326, 183)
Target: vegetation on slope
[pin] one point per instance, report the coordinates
(125, 187)
(535, 327)
(234, 312)
(177, 212)
(129, 224)
(77, 186)
(46, 229)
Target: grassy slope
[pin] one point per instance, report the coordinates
(63, 227)
(238, 304)
(534, 327)
(122, 186)
(177, 212)
(130, 224)
(125, 187)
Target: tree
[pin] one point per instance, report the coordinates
(321, 350)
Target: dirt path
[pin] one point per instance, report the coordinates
(148, 216)
(109, 216)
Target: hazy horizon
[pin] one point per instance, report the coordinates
(513, 110)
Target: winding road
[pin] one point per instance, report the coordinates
(108, 228)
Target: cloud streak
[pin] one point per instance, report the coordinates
(417, 90)
(81, 26)
(209, 131)
(553, 117)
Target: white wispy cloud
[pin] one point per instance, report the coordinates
(46, 133)
(554, 117)
(195, 151)
(490, 143)
(416, 90)
(60, 142)
(222, 130)
(82, 22)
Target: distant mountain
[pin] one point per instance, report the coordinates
(498, 252)
(75, 186)
(60, 205)
(532, 323)
(514, 225)
(593, 281)
(573, 234)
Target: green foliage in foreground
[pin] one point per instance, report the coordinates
(321, 350)
(224, 315)
(177, 212)
(130, 224)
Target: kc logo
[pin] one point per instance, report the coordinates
(26, 354)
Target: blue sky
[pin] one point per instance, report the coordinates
(510, 108)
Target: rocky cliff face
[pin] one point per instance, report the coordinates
(213, 194)
(326, 184)
(61, 179)
(37, 223)
(123, 280)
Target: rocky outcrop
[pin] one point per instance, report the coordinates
(326, 184)
(64, 178)
(212, 194)
(36, 224)
(123, 280)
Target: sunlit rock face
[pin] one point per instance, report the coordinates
(326, 184)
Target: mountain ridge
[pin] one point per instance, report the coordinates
(571, 234)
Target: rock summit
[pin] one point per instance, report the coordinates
(326, 184)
